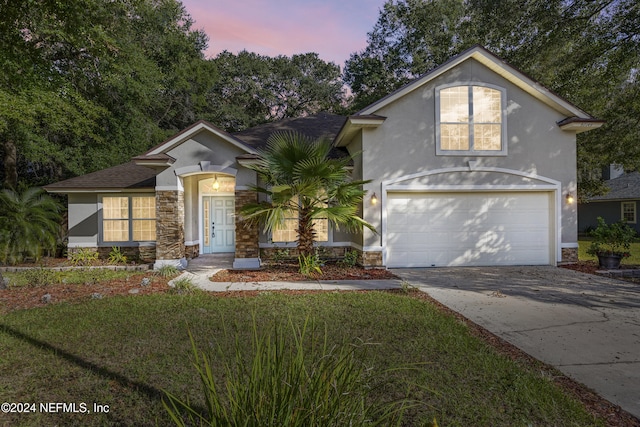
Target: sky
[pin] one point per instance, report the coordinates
(332, 28)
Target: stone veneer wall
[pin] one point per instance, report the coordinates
(291, 252)
(569, 255)
(170, 225)
(372, 259)
(192, 251)
(247, 245)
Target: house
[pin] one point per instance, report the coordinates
(620, 203)
(474, 163)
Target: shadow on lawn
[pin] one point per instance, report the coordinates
(151, 392)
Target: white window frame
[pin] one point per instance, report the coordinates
(130, 219)
(471, 151)
(622, 212)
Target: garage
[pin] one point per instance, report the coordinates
(468, 229)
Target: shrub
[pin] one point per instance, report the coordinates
(116, 256)
(350, 258)
(611, 239)
(184, 285)
(167, 271)
(40, 277)
(299, 381)
(309, 265)
(84, 256)
(29, 225)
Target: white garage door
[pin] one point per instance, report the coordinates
(470, 229)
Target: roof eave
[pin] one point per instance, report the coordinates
(495, 64)
(355, 123)
(577, 125)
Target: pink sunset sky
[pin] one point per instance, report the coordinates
(332, 28)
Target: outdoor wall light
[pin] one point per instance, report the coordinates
(570, 199)
(216, 184)
(374, 199)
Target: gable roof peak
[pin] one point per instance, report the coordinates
(495, 64)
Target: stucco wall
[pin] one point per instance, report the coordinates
(83, 220)
(406, 143)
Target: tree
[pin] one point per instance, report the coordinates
(87, 84)
(300, 179)
(29, 224)
(254, 89)
(586, 51)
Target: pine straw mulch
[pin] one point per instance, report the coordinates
(27, 297)
(288, 272)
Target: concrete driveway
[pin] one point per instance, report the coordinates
(586, 326)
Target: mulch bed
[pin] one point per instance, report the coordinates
(289, 273)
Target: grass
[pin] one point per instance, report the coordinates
(583, 246)
(124, 351)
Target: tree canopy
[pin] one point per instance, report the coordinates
(586, 51)
(255, 89)
(88, 84)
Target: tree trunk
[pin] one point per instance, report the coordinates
(10, 164)
(306, 234)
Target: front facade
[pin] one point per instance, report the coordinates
(472, 164)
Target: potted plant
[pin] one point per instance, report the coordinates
(611, 243)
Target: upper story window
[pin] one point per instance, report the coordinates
(470, 120)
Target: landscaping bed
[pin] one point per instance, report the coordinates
(288, 272)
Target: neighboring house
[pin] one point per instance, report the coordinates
(470, 164)
(620, 203)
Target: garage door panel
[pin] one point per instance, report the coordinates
(432, 229)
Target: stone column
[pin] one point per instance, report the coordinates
(170, 229)
(247, 242)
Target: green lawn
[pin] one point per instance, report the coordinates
(583, 246)
(123, 351)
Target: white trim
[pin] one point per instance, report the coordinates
(569, 245)
(83, 245)
(185, 136)
(205, 167)
(496, 65)
(168, 188)
(635, 211)
(192, 243)
(471, 121)
(553, 186)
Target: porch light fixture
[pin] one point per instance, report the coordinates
(374, 199)
(570, 199)
(216, 184)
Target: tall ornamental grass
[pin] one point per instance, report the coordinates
(289, 379)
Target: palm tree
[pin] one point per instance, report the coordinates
(301, 180)
(29, 224)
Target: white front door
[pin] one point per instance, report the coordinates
(218, 224)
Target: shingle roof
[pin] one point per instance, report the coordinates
(626, 186)
(315, 126)
(128, 175)
(133, 176)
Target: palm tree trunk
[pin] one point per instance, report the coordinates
(306, 234)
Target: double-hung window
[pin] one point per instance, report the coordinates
(470, 120)
(289, 231)
(629, 212)
(128, 219)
